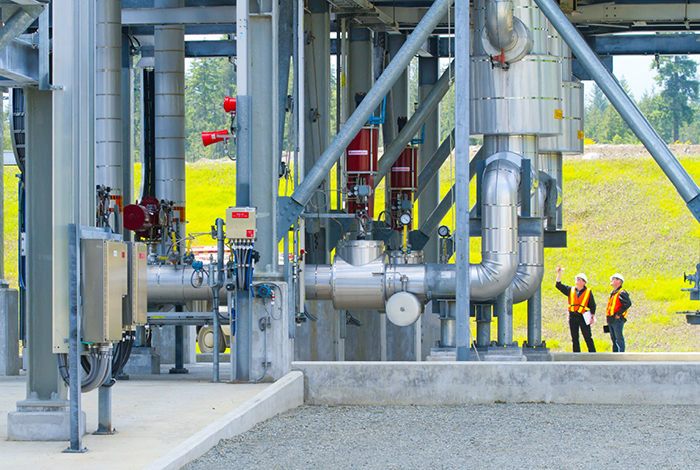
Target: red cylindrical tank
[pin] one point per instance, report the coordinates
(403, 171)
(403, 181)
(361, 167)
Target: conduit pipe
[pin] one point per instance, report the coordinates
(607, 82)
(425, 109)
(293, 207)
(108, 105)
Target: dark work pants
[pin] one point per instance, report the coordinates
(618, 340)
(576, 321)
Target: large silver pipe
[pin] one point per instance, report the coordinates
(528, 277)
(369, 285)
(108, 105)
(294, 206)
(424, 111)
(167, 285)
(675, 172)
(499, 24)
(170, 109)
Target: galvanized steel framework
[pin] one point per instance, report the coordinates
(89, 96)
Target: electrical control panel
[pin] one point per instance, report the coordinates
(137, 314)
(104, 269)
(240, 223)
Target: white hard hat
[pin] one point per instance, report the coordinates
(618, 276)
(582, 277)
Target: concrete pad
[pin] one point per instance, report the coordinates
(152, 415)
(445, 383)
(283, 395)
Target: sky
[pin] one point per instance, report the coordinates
(638, 73)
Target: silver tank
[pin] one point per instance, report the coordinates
(571, 139)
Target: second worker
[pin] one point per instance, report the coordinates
(581, 301)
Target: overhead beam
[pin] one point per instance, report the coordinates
(19, 64)
(644, 44)
(186, 15)
(194, 49)
(200, 29)
(188, 3)
(653, 13)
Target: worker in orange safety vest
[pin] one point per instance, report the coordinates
(581, 302)
(616, 314)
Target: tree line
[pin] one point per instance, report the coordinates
(673, 111)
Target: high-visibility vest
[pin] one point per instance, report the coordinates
(614, 304)
(579, 303)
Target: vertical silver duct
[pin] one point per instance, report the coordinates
(108, 106)
(170, 111)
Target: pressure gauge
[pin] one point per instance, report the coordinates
(444, 231)
(405, 218)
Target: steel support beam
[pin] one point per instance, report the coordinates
(18, 24)
(428, 71)
(645, 44)
(19, 64)
(658, 149)
(295, 205)
(432, 167)
(422, 114)
(178, 15)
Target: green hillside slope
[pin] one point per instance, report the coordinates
(622, 215)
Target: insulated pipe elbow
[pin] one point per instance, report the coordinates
(499, 24)
(499, 231)
(528, 277)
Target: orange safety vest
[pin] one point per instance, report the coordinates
(579, 304)
(614, 305)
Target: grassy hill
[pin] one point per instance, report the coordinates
(622, 215)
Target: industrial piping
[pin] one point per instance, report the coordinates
(493, 275)
(108, 105)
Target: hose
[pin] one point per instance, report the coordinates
(96, 366)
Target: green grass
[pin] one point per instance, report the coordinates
(621, 215)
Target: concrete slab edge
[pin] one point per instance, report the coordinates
(285, 394)
(432, 383)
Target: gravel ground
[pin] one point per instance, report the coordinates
(499, 436)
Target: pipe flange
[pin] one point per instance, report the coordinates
(519, 49)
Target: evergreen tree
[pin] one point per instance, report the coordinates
(677, 77)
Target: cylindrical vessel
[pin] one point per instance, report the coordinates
(571, 139)
(167, 285)
(403, 171)
(170, 112)
(108, 108)
(358, 287)
(525, 99)
(359, 252)
(403, 181)
(360, 169)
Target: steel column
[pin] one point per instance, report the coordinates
(504, 312)
(428, 70)
(294, 206)
(462, 176)
(534, 319)
(45, 388)
(360, 76)
(127, 120)
(669, 164)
